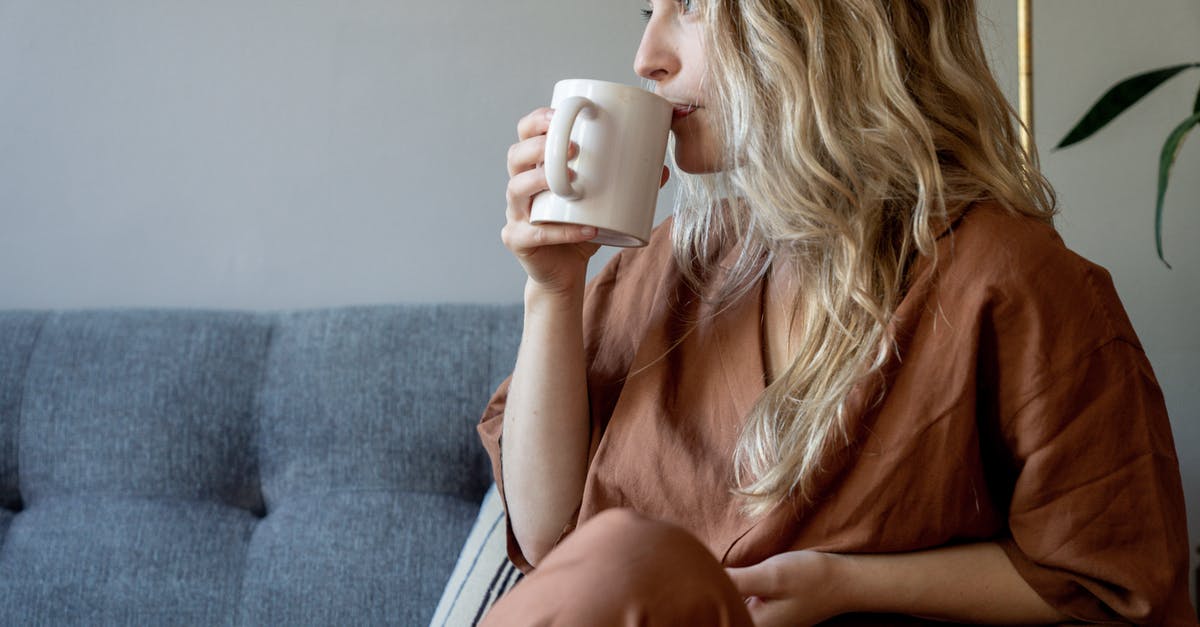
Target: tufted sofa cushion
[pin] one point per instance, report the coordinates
(199, 467)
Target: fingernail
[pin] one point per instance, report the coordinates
(549, 113)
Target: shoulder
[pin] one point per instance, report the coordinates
(1020, 272)
(999, 245)
(1008, 240)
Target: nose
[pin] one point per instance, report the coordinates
(656, 58)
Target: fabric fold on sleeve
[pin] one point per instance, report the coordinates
(1097, 516)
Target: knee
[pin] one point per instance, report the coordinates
(630, 534)
(620, 564)
(647, 552)
(622, 524)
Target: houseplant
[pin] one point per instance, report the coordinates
(1124, 95)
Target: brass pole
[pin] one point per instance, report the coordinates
(1025, 72)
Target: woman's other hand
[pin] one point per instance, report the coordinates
(963, 583)
(794, 588)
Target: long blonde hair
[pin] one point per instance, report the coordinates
(854, 128)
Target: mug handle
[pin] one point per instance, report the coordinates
(558, 141)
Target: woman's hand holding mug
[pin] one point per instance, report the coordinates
(557, 217)
(554, 256)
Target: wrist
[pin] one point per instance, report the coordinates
(540, 297)
(848, 586)
(880, 583)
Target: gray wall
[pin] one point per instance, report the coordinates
(296, 153)
(274, 153)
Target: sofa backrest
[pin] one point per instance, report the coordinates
(201, 467)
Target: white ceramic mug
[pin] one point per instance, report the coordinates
(622, 136)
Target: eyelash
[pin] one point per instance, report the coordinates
(685, 5)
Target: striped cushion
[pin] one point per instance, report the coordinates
(483, 571)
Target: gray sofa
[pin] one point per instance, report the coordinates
(241, 468)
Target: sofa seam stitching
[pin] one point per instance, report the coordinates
(37, 337)
(155, 496)
(257, 414)
(257, 408)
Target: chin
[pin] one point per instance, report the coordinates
(695, 150)
(697, 164)
(696, 157)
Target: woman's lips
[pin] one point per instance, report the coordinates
(682, 111)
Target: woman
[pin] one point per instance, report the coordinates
(857, 374)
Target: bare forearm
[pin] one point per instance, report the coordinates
(974, 583)
(545, 437)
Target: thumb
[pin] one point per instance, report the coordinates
(665, 175)
(752, 581)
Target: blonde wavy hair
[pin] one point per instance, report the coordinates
(855, 128)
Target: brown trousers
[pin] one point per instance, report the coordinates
(620, 568)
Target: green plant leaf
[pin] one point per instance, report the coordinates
(1119, 98)
(1165, 162)
(1196, 107)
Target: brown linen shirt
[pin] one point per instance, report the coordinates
(1020, 409)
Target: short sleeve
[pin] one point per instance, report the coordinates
(1072, 423)
(1097, 518)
